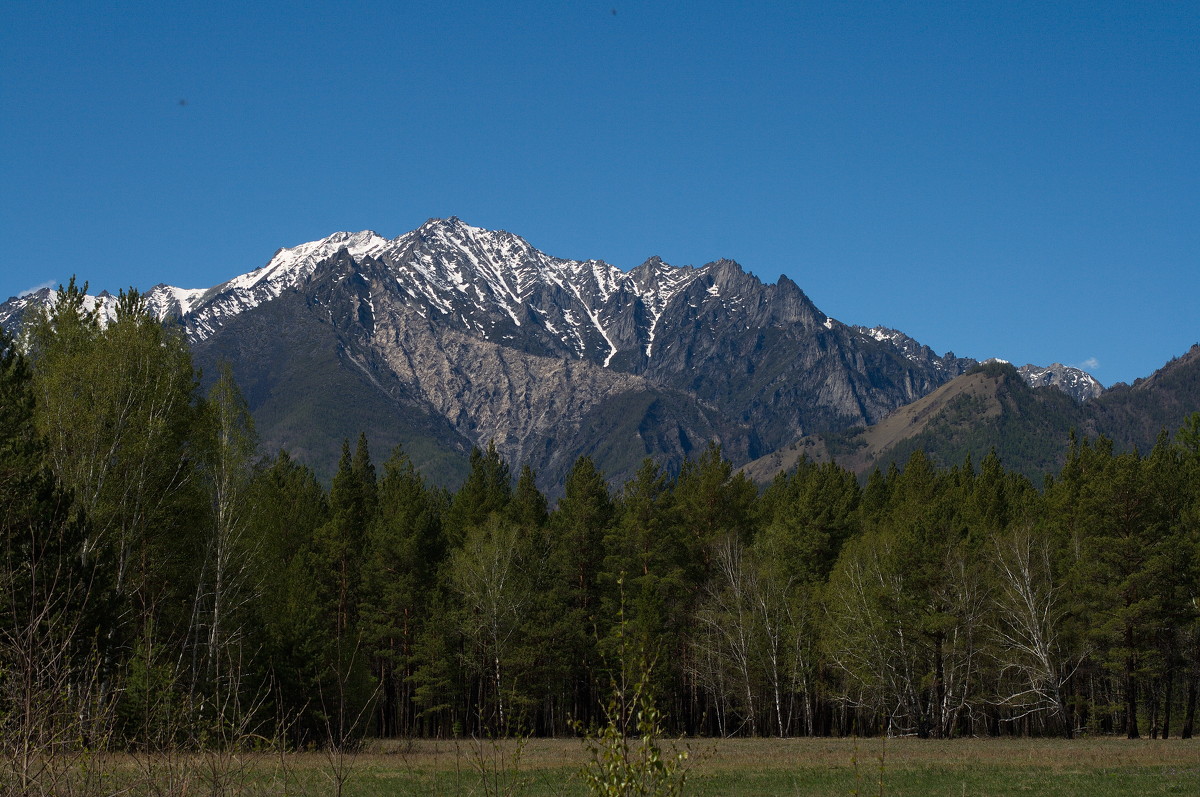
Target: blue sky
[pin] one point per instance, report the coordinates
(1010, 179)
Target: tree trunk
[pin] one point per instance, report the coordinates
(1168, 698)
(1131, 706)
(1152, 706)
(1189, 716)
(939, 690)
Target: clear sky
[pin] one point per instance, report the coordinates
(1011, 179)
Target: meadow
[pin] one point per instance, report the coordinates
(1094, 767)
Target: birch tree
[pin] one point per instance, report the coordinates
(117, 407)
(1036, 651)
(490, 574)
(226, 583)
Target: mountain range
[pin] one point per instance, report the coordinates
(451, 336)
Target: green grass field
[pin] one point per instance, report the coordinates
(818, 767)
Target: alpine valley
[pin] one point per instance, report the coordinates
(451, 336)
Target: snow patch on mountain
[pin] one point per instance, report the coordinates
(291, 265)
(461, 271)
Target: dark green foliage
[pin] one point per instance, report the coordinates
(943, 598)
(811, 512)
(289, 507)
(1134, 563)
(406, 548)
(487, 489)
(713, 501)
(337, 556)
(50, 575)
(577, 530)
(647, 547)
(528, 507)
(1134, 415)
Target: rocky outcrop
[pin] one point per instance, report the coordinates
(1076, 383)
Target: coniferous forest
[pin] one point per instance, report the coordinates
(163, 585)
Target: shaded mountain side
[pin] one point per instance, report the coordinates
(993, 407)
(745, 371)
(990, 407)
(767, 357)
(307, 394)
(1133, 415)
(664, 425)
(349, 353)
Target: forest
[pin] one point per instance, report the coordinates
(162, 584)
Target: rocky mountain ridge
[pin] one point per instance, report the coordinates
(460, 335)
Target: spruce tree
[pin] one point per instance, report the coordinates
(1187, 441)
(289, 507)
(528, 507)
(646, 546)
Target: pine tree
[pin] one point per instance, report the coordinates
(713, 502)
(1126, 545)
(905, 603)
(528, 507)
(339, 548)
(289, 507)
(1187, 442)
(578, 526)
(645, 545)
(406, 547)
(487, 489)
(805, 518)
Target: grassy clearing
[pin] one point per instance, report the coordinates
(752, 767)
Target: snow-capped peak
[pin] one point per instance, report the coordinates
(488, 281)
(291, 264)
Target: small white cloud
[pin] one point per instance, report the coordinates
(38, 287)
(1090, 364)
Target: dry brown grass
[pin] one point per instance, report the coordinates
(1053, 754)
(760, 754)
(1097, 767)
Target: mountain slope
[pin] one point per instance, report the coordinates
(993, 407)
(1133, 415)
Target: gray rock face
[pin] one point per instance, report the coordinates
(1078, 384)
